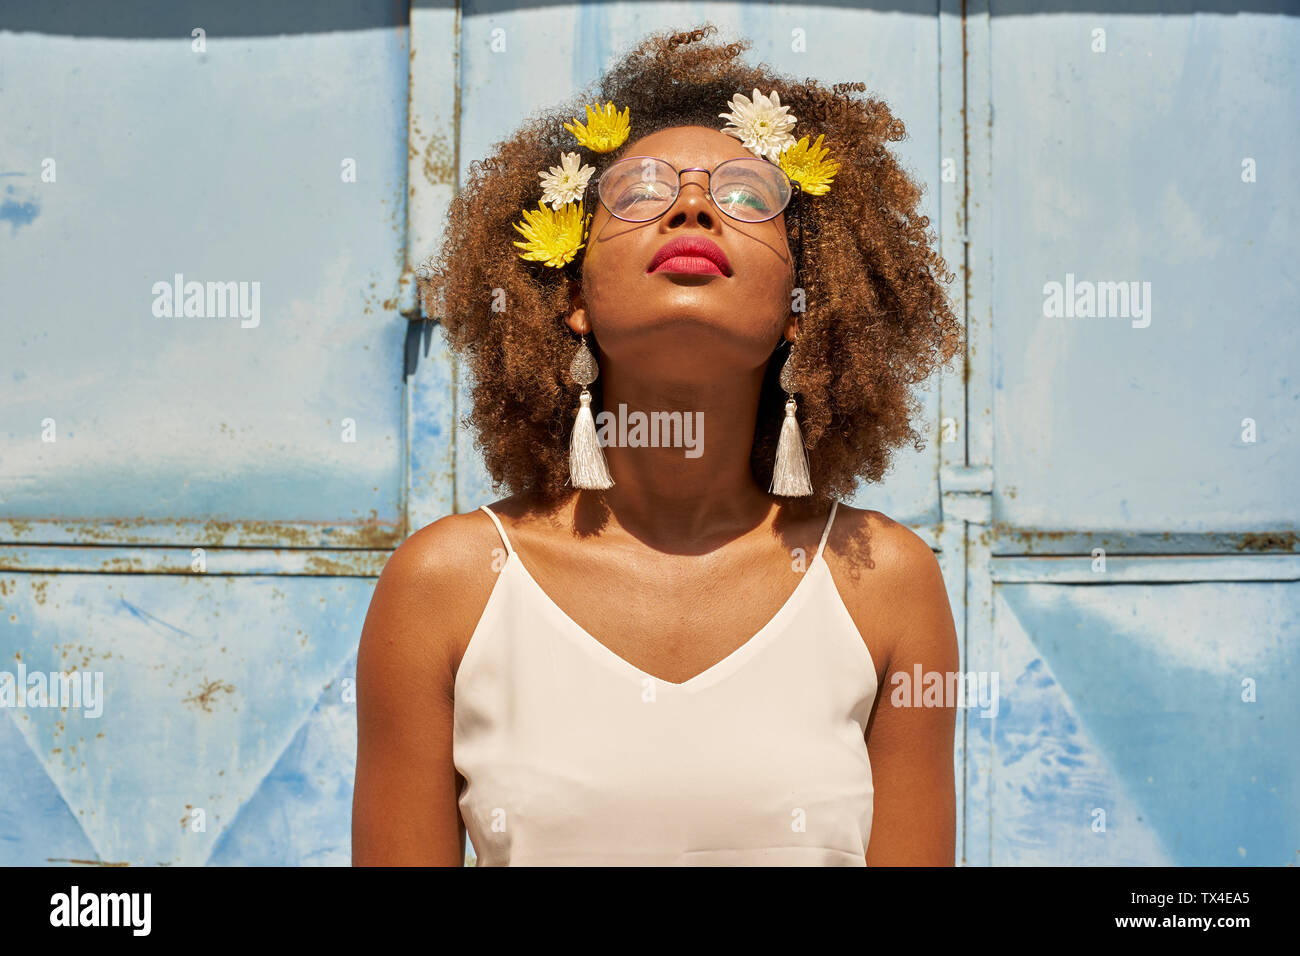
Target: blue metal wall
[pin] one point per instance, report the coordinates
(196, 506)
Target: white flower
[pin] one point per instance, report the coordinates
(566, 182)
(763, 126)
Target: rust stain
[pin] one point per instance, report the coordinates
(365, 564)
(38, 591)
(439, 162)
(1269, 541)
(58, 859)
(221, 532)
(86, 654)
(208, 692)
(121, 564)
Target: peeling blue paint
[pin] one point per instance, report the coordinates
(17, 213)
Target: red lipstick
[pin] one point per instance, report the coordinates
(691, 254)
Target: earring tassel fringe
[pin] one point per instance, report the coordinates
(587, 468)
(790, 472)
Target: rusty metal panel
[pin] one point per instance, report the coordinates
(1101, 152)
(1147, 723)
(203, 236)
(1145, 227)
(219, 707)
(1102, 149)
(193, 508)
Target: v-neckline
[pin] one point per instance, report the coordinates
(711, 674)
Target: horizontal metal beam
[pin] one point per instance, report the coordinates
(91, 559)
(1008, 541)
(1119, 569)
(214, 532)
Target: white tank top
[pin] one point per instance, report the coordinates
(573, 756)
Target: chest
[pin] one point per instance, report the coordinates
(676, 619)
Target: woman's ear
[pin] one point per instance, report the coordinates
(577, 318)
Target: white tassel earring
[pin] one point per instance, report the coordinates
(790, 472)
(587, 468)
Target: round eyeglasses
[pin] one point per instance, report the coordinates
(641, 188)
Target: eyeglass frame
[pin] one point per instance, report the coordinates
(708, 188)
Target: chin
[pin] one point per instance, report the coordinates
(689, 338)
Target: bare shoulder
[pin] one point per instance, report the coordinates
(452, 551)
(867, 539)
(432, 592)
(459, 555)
(891, 584)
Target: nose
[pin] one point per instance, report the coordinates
(693, 204)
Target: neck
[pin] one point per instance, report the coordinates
(679, 454)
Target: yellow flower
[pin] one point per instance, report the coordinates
(554, 236)
(809, 167)
(605, 131)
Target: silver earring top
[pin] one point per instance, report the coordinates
(583, 368)
(787, 374)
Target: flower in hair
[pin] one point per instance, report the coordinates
(566, 182)
(762, 125)
(606, 128)
(552, 236)
(808, 166)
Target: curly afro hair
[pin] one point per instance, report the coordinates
(877, 319)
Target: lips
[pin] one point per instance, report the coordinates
(691, 254)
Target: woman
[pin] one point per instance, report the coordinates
(665, 646)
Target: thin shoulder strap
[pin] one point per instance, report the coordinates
(500, 530)
(827, 533)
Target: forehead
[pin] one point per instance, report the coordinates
(689, 146)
